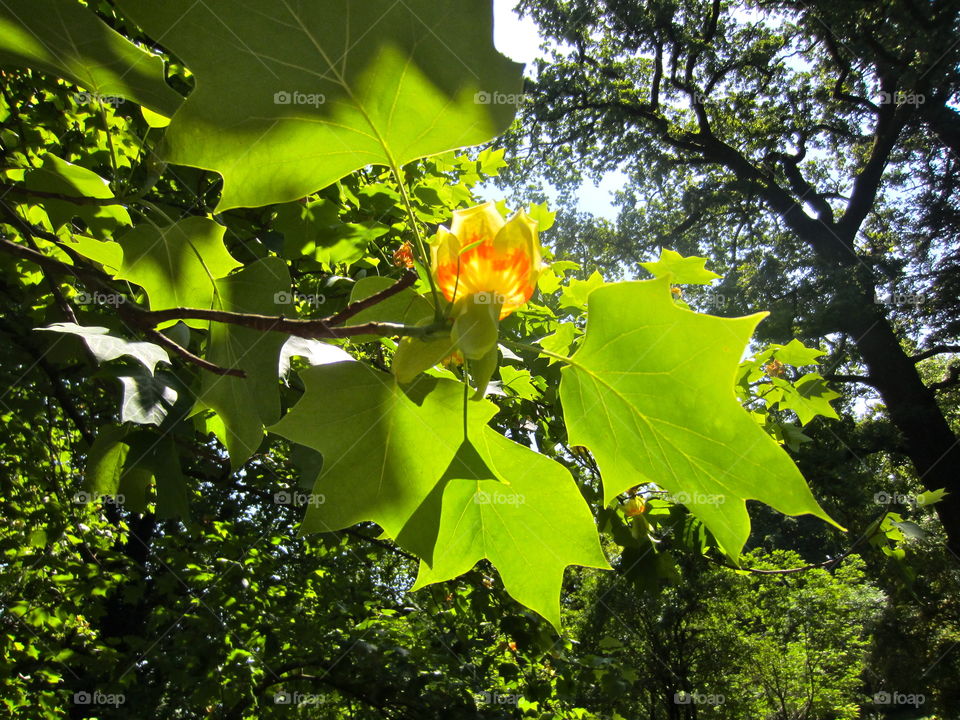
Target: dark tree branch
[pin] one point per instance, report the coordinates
(935, 350)
(890, 121)
(313, 329)
(945, 122)
(54, 266)
(657, 77)
(803, 189)
(320, 328)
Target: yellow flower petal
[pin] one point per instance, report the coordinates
(483, 254)
(476, 223)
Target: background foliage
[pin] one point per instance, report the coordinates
(153, 564)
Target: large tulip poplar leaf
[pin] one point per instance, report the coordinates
(65, 39)
(245, 405)
(651, 393)
(291, 96)
(531, 527)
(187, 265)
(178, 264)
(384, 450)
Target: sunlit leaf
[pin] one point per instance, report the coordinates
(650, 393)
(67, 40)
(384, 449)
(531, 525)
(684, 270)
(178, 265)
(63, 178)
(246, 404)
(106, 346)
(328, 87)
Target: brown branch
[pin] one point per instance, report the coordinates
(311, 329)
(58, 296)
(135, 317)
(175, 347)
(935, 350)
(408, 279)
(78, 269)
(306, 328)
(37, 257)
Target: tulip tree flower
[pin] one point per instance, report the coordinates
(487, 268)
(487, 259)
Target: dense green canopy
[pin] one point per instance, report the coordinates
(261, 458)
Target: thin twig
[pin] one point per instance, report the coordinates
(170, 344)
(408, 279)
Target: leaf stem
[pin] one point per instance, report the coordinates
(418, 236)
(466, 396)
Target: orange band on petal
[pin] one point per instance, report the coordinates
(501, 258)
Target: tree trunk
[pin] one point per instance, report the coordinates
(912, 407)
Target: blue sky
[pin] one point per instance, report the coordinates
(519, 39)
